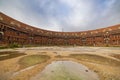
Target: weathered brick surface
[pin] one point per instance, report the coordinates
(13, 31)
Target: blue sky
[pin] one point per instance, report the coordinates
(69, 15)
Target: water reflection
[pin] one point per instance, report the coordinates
(66, 70)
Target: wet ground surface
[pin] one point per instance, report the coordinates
(96, 59)
(66, 70)
(9, 55)
(65, 63)
(116, 56)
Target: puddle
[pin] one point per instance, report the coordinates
(66, 70)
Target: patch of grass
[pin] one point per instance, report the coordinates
(14, 45)
(32, 60)
(3, 47)
(96, 59)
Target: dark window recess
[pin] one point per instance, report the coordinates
(0, 36)
(18, 33)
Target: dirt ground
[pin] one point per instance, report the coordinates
(105, 61)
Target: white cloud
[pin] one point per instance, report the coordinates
(72, 15)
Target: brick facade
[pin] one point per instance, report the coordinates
(13, 31)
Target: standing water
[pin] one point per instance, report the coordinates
(66, 70)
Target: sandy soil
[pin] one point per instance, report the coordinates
(105, 61)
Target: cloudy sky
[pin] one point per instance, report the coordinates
(69, 15)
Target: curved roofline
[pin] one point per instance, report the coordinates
(22, 23)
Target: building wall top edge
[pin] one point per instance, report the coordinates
(9, 20)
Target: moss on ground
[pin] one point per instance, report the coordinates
(32, 60)
(96, 59)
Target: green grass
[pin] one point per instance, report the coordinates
(3, 47)
(32, 60)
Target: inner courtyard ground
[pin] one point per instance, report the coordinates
(30, 63)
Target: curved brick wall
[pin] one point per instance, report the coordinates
(13, 31)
